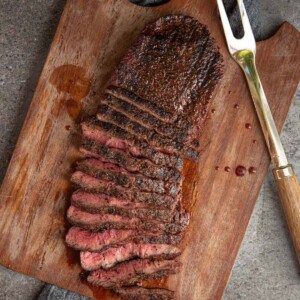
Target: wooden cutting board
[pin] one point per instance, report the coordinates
(91, 38)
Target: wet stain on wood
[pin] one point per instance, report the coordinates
(95, 34)
(74, 83)
(101, 293)
(72, 107)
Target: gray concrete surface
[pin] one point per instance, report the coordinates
(266, 267)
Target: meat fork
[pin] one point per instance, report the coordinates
(243, 52)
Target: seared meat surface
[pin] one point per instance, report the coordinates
(108, 258)
(130, 163)
(94, 185)
(84, 240)
(156, 140)
(140, 293)
(120, 177)
(127, 213)
(114, 136)
(133, 271)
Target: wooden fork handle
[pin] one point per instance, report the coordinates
(289, 191)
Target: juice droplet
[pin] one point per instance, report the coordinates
(240, 171)
(227, 169)
(254, 141)
(248, 125)
(217, 168)
(252, 170)
(68, 127)
(213, 111)
(236, 106)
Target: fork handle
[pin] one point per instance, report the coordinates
(246, 60)
(284, 174)
(289, 191)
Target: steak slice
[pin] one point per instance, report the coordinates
(148, 120)
(164, 238)
(121, 177)
(157, 141)
(97, 204)
(144, 104)
(140, 293)
(97, 222)
(108, 258)
(172, 67)
(84, 240)
(133, 271)
(94, 185)
(131, 164)
(81, 239)
(80, 197)
(131, 184)
(115, 137)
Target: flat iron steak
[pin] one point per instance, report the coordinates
(127, 211)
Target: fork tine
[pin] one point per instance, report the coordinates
(226, 25)
(245, 20)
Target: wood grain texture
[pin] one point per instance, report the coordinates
(289, 191)
(91, 38)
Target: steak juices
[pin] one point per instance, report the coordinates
(127, 213)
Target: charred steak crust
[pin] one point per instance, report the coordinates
(147, 120)
(108, 258)
(100, 222)
(125, 179)
(157, 141)
(94, 185)
(127, 215)
(133, 271)
(119, 138)
(130, 163)
(84, 240)
(96, 204)
(172, 68)
(81, 239)
(141, 293)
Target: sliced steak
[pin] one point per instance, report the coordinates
(99, 205)
(84, 240)
(148, 120)
(133, 271)
(98, 222)
(80, 197)
(121, 177)
(115, 137)
(140, 293)
(157, 141)
(94, 185)
(172, 68)
(81, 239)
(180, 222)
(152, 112)
(131, 164)
(106, 259)
(164, 238)
(144, 104)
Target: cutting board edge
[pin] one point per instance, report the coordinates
(35, 95)
(282, 28)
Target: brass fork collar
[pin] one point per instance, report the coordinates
(284, 172)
